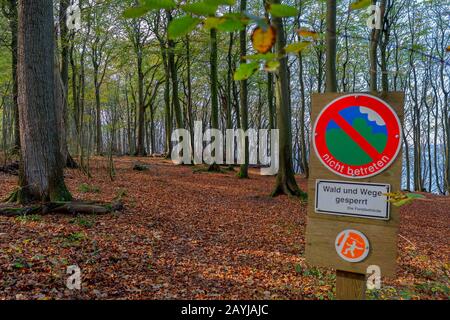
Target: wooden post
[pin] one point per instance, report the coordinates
(350, 285)
(323, 229)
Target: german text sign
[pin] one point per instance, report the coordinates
(357, 136)
(351, 225)
(363, 200)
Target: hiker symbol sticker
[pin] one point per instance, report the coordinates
(352, 245)
(357, 136)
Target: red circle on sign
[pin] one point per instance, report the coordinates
(357, 136)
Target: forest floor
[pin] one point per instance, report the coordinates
(198, 235)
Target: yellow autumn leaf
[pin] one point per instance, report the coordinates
(305, 32)
(263, 41)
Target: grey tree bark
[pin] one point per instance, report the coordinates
(41, 175)
(214, 88)
(9, 9)
(331, 84)
(285, 182)
(243, 173)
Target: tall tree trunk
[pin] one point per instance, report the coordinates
(344, 79)
(81, 99)
(331, 85)
(41, 175)
(229, 102)
(304, 157)
(64, 74)
(374, 40)
(76, 101)
(98, 119)
(236, 101)
(270, 103)
(140, 150)
(285, 182)
(152, 129)
(13, 22)
(270, 94)
(189, 91)
(168, 116)
(64, 40)
(229, 80)
(243, 173)
(383, 49)
(129, 135)
(407, 161)
(174, 78)
(214, 88)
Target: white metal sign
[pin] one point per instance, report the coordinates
(363, 200)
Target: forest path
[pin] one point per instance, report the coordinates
(193, 235)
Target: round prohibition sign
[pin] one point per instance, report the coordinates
(352, 245)
(357, 136)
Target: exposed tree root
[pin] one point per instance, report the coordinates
(290, 189)
(140, 166)
(139, 154)
(214, 168)
(242, 175)
(12, 168)
(71, 207)
(71, 163)
(230, 168)
(15, 151)
(13, 196)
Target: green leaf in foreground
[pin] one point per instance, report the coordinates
(282, 10)
(200, 8)
(221, 2)
(245, 70)
(261, 56)
(146, 6)
(135, 12)
(159, 4)
(272, 66)
(296, 47)
(212, 22)
(231, 25)
(360, 4)
(181, 26)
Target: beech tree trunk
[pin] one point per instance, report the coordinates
(174, 78)
(214, 90)
(65, 40)
(140, 149)
(331, 85)
(9, 9)
(285, 183)
(41, 174)
(243, 173)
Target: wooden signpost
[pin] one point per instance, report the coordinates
(355, 161)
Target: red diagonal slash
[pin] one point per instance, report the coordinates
(356, 136)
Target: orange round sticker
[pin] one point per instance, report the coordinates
(352, 245)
